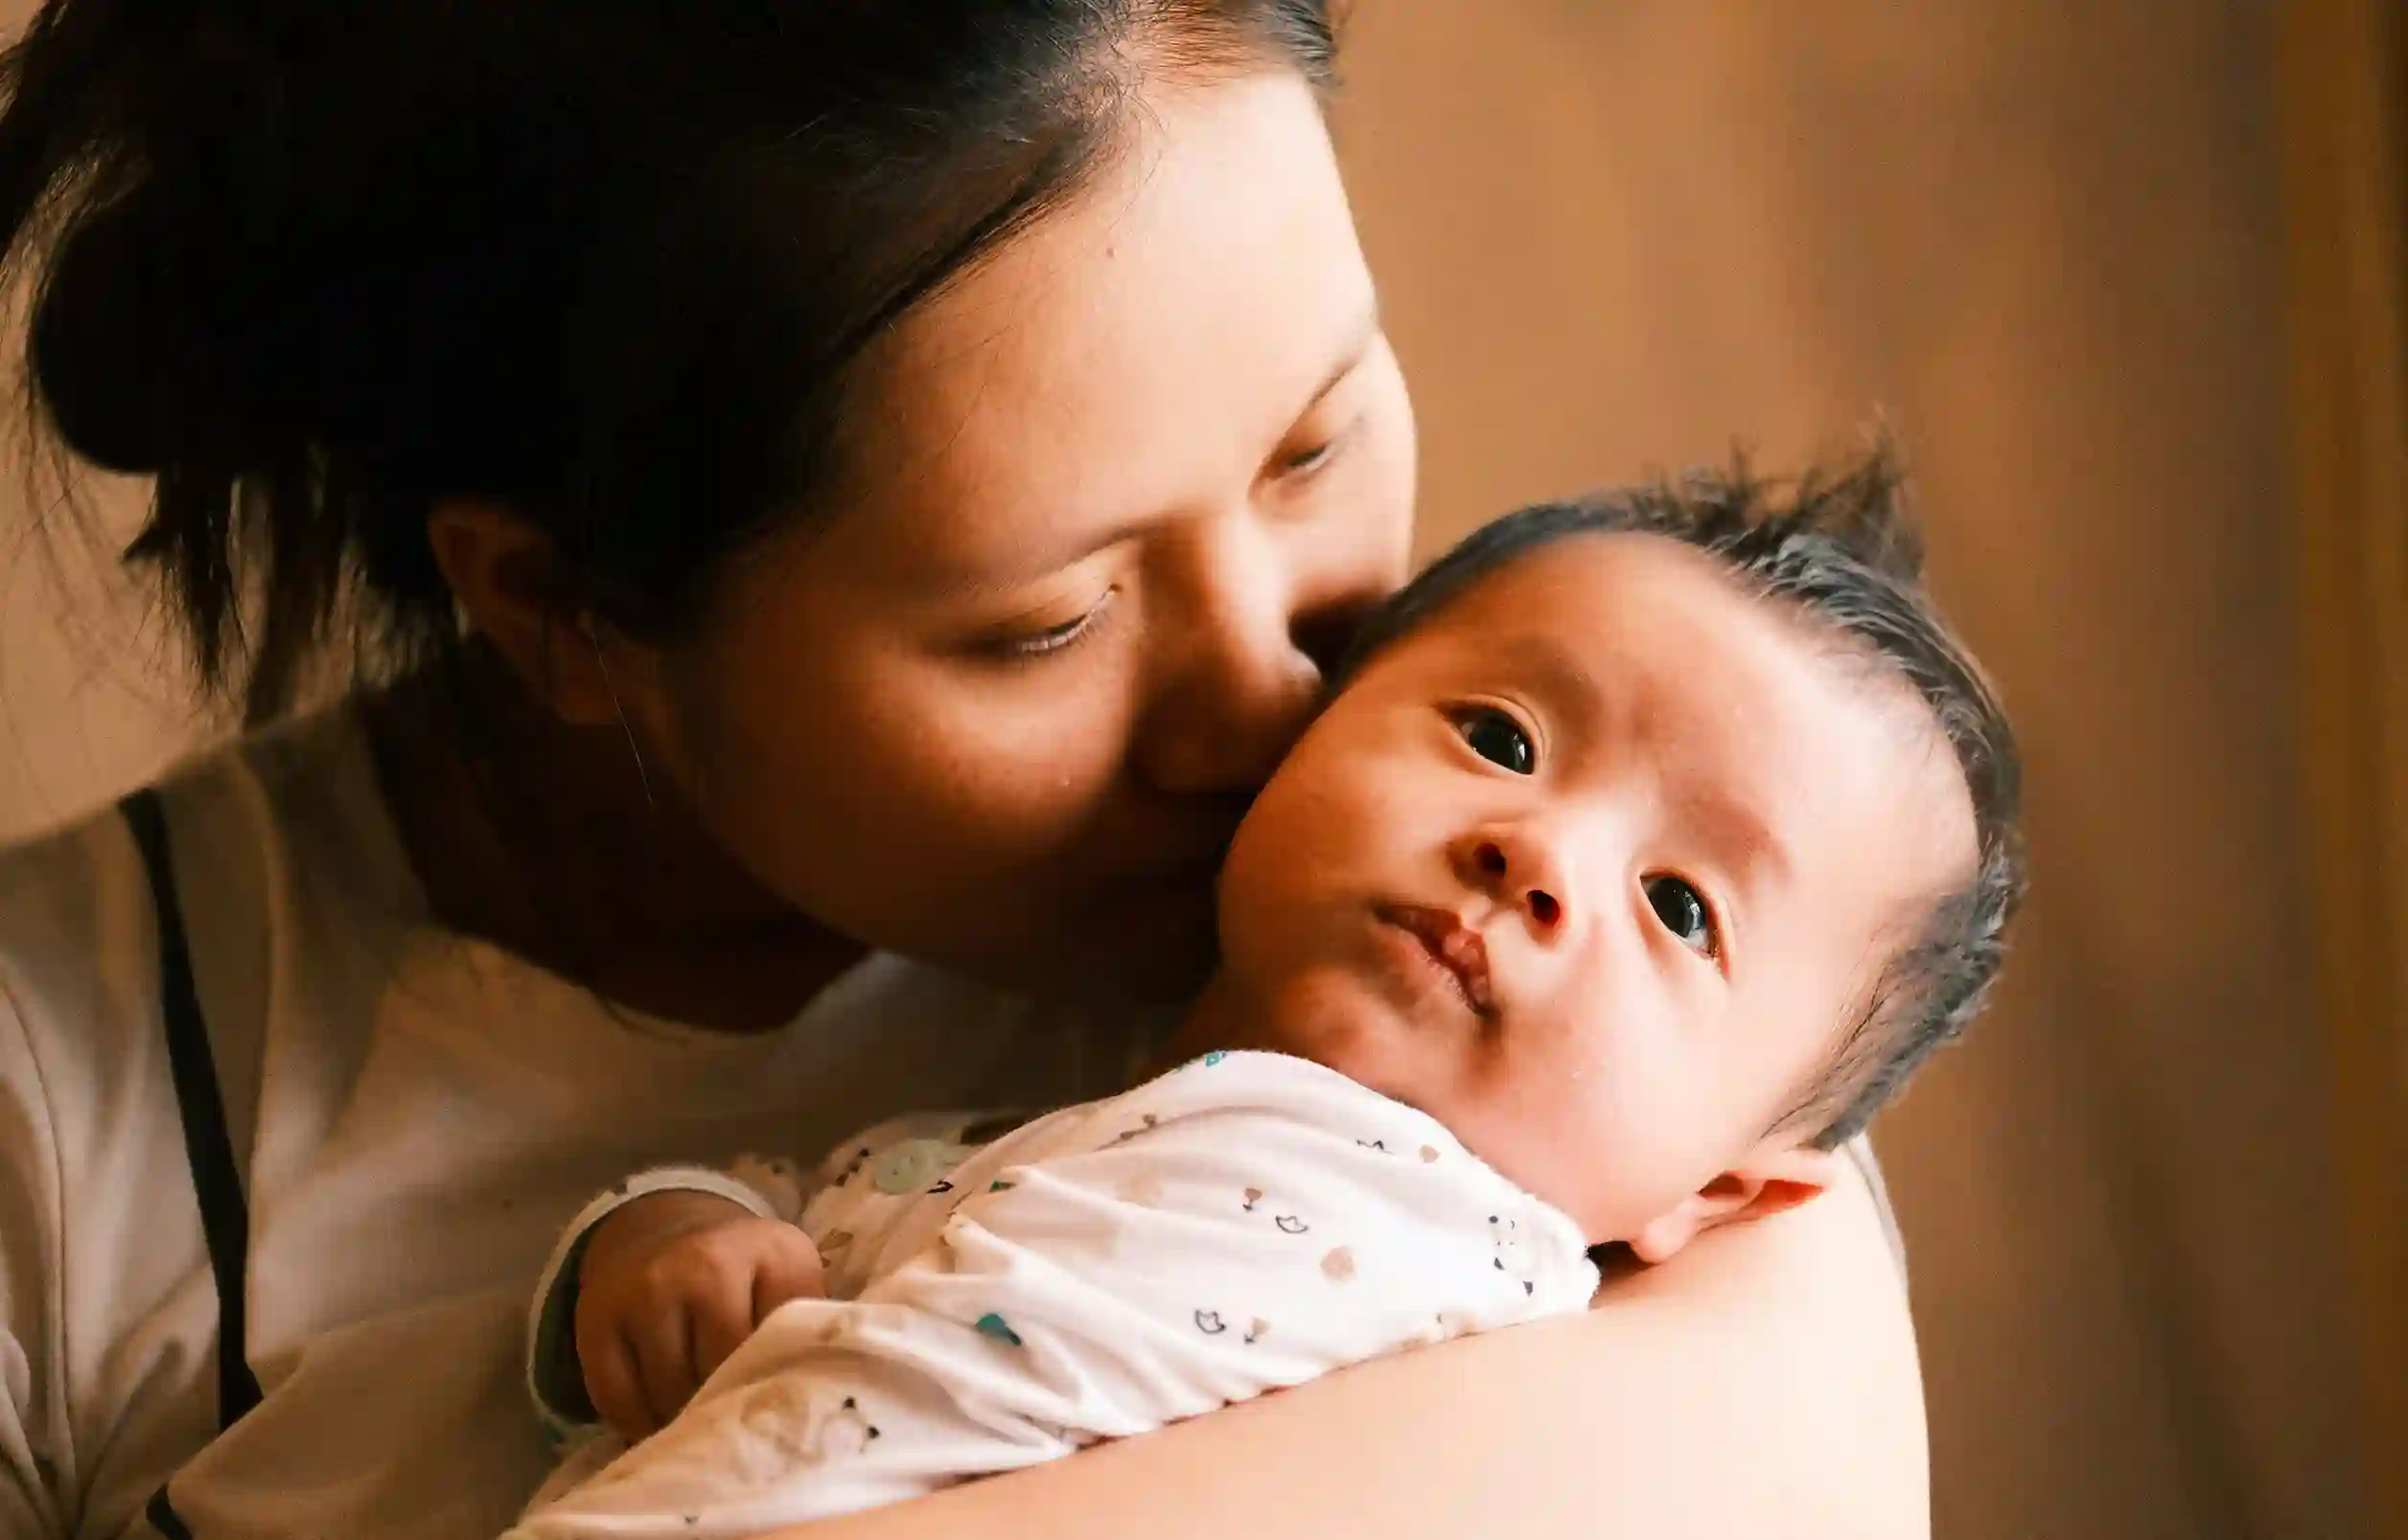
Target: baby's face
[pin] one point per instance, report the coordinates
(1594, 868)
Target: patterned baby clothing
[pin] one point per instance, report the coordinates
(996, 1298)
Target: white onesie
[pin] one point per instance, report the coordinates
(1247, 1222)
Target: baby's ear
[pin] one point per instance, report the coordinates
(1763, 1184)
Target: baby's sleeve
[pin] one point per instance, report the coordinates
(1243, 1224)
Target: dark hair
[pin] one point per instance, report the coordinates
(1841, 550)
(315, 266)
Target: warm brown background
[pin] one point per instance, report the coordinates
(2049, 239)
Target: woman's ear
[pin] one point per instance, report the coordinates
(507, 578)
(1764, 1184)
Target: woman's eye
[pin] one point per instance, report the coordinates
(1498, 739)
(1054, 638)
(1315, 455)
(1301, 461)
(1684, 912)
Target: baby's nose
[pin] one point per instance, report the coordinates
(1519, 870)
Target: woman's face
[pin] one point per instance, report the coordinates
(1121, 492)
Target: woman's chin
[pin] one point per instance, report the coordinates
(1131, 957)
(1118, 948)
(1171, 972)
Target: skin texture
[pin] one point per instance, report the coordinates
(1160, 432)
(668, 1287)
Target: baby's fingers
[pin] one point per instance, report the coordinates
(791, 1270)
(612, 1384)
(723, 1318)
(663, 1345)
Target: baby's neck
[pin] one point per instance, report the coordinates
(1217, 1019)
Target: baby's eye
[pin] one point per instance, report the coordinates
(1684, 912)
(1498, 739)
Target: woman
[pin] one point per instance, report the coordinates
(834, 483)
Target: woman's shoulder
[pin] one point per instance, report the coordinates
(260, 833)
(957, 1043)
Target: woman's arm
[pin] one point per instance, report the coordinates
(1765, 1383)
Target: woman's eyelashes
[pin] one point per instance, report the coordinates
(1681, 909)
(1028, 646)
(1307, 455)
(1304, 461)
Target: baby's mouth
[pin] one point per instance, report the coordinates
(1452, 946)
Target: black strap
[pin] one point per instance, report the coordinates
(164, 1518)
(217, 1181)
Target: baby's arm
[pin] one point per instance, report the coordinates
(1248, 1223)
(654, 1283)
(668, 1287)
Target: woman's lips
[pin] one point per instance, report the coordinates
(1450, 944)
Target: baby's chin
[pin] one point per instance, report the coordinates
(1321, 1019)
(1340, 1026)
(1354, 1034)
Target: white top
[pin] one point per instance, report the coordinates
(1245, 1222)
(417, 1114)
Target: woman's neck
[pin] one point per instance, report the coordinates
(1219, 1017)
(546, 840)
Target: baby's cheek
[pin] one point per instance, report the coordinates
(1628, 1151)
(1381, 809)
(1311, 825)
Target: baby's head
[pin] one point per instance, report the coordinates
(1651, 840)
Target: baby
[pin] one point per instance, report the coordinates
(1647, 845)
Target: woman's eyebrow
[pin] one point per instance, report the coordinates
(1041, 563)
(1363, 338)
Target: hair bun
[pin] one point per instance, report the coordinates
(132, 349)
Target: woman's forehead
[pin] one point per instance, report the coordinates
(1135, 352)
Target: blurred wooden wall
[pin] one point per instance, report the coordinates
(2048, 238)
(2344, 96)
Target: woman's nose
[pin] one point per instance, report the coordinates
(1225, 729)
(1518, 868)
(1242, 667)
(1242, 694)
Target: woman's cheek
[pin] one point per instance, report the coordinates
(1391, 470)
(1028, 764)
(902, 751)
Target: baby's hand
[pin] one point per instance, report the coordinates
(668, 1287)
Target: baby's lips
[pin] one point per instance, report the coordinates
(1468, 955)
(1455, 946)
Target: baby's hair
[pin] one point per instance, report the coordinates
(1841, 550)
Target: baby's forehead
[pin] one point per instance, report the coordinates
(1596, 601)
(1621, 568)
(1600, 606)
